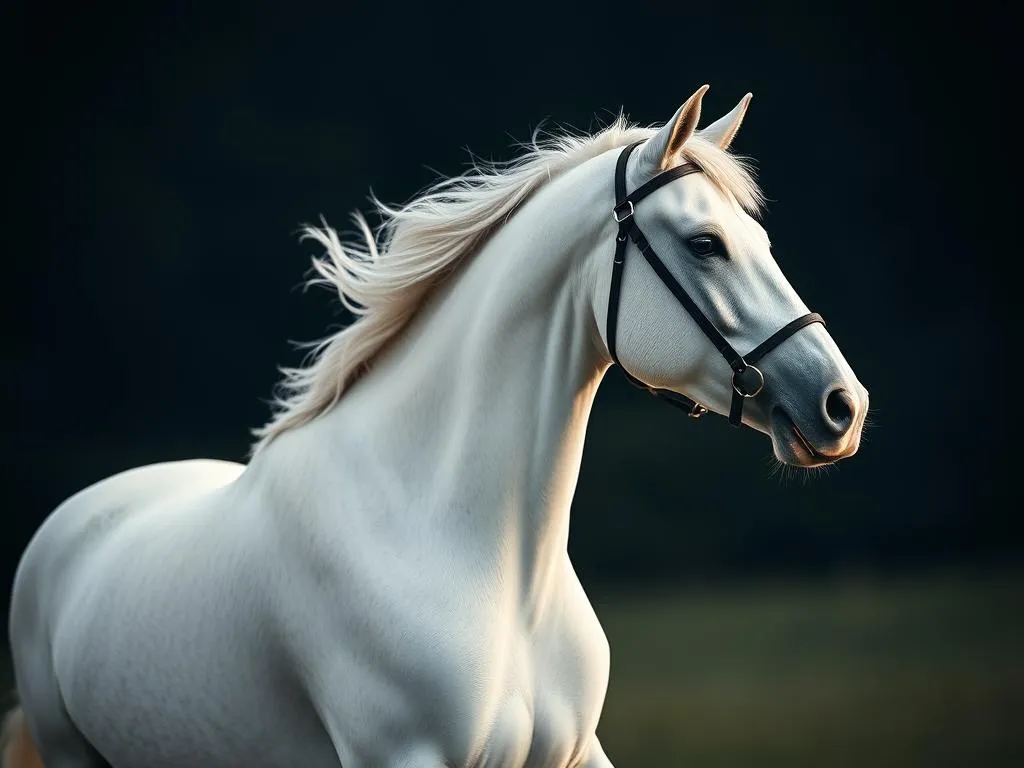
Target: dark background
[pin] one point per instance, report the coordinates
(159, 158)
(163, 156)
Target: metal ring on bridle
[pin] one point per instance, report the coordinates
(760, 381)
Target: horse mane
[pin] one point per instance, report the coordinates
(383, 277)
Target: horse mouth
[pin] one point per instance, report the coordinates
(792, 446)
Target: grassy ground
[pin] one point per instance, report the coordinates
(927, 672)
(922, 672)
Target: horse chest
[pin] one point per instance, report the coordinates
(529, 699)
(477, 688)
(544, 703)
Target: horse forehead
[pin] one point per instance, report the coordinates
(694, 201)
(696, 198)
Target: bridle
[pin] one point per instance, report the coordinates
(747, 379)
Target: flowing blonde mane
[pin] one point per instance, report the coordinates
(384, 278)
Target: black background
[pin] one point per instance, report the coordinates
(160, 158)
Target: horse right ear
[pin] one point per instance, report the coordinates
(723, 130)
(662, 151)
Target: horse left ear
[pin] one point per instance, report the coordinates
(661, 152)
(723, 130)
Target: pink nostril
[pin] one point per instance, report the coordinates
(839, 410)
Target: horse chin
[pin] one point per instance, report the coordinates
(790, 445)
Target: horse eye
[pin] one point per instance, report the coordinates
(705, 245)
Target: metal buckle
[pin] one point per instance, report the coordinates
(760, 376)
(697, 411)
(626, 215)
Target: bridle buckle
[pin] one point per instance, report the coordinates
(697, 411)
(623, 212)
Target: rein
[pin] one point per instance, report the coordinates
(747, 378)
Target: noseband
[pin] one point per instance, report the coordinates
(747, 379)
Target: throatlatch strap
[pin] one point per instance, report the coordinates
(612, 320)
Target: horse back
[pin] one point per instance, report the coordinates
(130, 597)
(84, 521)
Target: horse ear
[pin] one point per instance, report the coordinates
(723, 130)
(661, 152)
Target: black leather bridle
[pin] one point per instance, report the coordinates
(747, 379)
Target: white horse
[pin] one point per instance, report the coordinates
(386, 582)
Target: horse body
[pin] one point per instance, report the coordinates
(386, 584)
(328, 606)
(278, 643)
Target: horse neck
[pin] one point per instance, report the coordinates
(480, 406)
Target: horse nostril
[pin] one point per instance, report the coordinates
(839, 410)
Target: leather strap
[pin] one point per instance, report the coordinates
(748, 380)
(753, 356)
